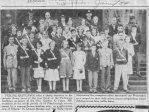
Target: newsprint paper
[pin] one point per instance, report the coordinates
(74, 55)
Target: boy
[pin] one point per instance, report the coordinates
(120, 59)
(24, 63)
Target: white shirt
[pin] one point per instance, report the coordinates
(45, 43)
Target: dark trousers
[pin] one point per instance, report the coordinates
(25, 77)
(137, 59)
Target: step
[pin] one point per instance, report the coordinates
(137, 82)
(138, 87)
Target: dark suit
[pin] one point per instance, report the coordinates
(137, 58)
(112, 30)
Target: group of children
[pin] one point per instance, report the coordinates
(66, 53)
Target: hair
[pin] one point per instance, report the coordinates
(73, 30)
(51, 42)
(134, 26)
(105, 28)
(88, 31)
(64, 42)
(120, 25)
(32, 32)
(10, 37)
(79, 44)
(28, 28)
(39, 42)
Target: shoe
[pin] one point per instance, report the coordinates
(108, 90)
(115, 91)
(103, 90)
(23, 90)
(39, 91)
(28, 90)
(54, 91)
(95, 91)
(126, 91)
(50, 91)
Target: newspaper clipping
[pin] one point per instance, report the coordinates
(74, 56)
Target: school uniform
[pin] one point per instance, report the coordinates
(38, 63)
(72, 42)
(10, 62)
(67, 35)
(66, 63)
(120, 59)
(52, 60)
(25, 61)
(129, 27)
(97, 26)
(92, 65)
(45, 43)
(106, 61)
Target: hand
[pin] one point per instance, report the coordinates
(58, 67)
(18, 67)
(111, 66)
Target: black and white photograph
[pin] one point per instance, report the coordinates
(76, 51)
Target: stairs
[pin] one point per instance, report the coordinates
(136, 84)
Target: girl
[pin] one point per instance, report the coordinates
(67, 33)
(66, 65)
(52, 59)
(84, 26)
(37, 58)
(130, 48)
(106, 63)
(79, 62)
(94, 35)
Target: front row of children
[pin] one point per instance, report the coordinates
(65, 64)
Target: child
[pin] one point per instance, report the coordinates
(106, 63)
(79, 62)
(120, 59)
(66, 65)
(38, 65)
(52, 60)
(24, 63)
(10, 63)
(130, 48)
(92, 65)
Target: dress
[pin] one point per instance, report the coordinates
(79, 62)
(66, 64)
(38, 71)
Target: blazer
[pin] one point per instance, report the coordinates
(112, 31)
(139, 41)
(58, 41)
(92, 62)
(52, 64)
(35, 59)
(22, 60)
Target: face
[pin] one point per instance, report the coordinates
(127, 39)
(121, 44)
(106, 31)
(78, 47)
(105, 44)
(41, 28)
(95, 19)
(132, 21)
(30, 23)
(103, 36)
(62, 19)
(45, 35)
(114, 21)
(13, 29)
(67, 28)
(83, 22)
(94, 31)
(121, 35)
(56, 21)
(59, 30)
(52, 45)
(80, 31)
(19, 33)
(31, 36)
(54, 29)
(41, 21)
(24, 41)
(28, 31)
(88, 34)
(65, 44)
(73, 33)
(120, 29)
(11, 40)
(38, 45)
(47, 15)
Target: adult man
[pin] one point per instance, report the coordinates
(113, 27)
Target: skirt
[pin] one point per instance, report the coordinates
(38, 72)
(51, 75)
(79, 74)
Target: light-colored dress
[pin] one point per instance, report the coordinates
(39, 72)
(51, 75)
(131, 53)
(66, 64)
(79, 62)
